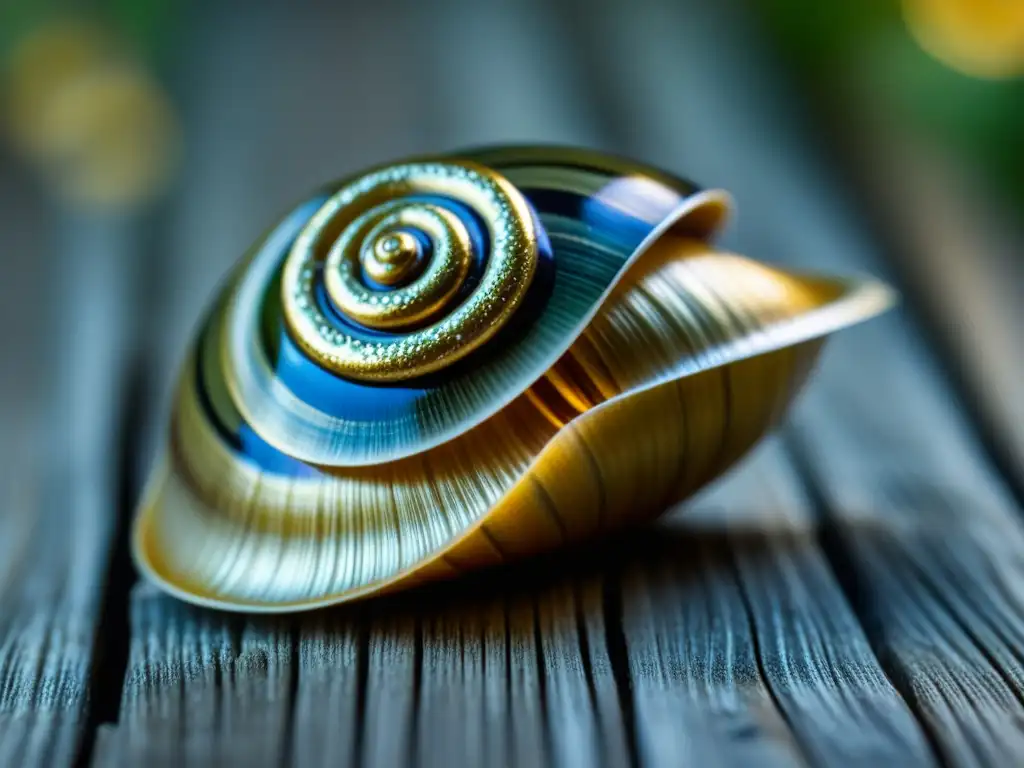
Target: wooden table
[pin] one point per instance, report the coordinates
(853, 594)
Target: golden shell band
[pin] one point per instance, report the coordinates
(362, 219)
(620, 364)
(392, 254)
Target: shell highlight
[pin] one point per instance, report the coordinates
(454, 362)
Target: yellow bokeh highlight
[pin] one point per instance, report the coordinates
(980, 38)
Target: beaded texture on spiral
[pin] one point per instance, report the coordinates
(452, 362)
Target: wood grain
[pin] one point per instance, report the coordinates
(739, 615)
(202, 689)
(929, 548)
(60, 404)
(921, 532)
(957, 247)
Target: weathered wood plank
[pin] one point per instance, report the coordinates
(65, 335)
(202, 688)
(582, 693)
(463, 676)
(328, 710)
(880, 433)
(886, 712)
(274, 106)
(510, 79)
(976, 583)
(524, 673)
(929, 544)
(804, 650)
(740, 616)
(692, 658)
(958, 248)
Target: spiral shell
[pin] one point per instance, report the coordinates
(382, 230)
(453, 362)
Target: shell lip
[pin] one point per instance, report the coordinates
(860, 299)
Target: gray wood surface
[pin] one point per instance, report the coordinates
(851, 595)
(936, 211)
(64, 384)
(910, 508)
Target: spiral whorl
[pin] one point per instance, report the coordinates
(379, 285)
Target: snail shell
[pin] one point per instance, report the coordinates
(453, 362)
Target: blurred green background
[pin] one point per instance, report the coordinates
(965, 94)
(945, 73)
